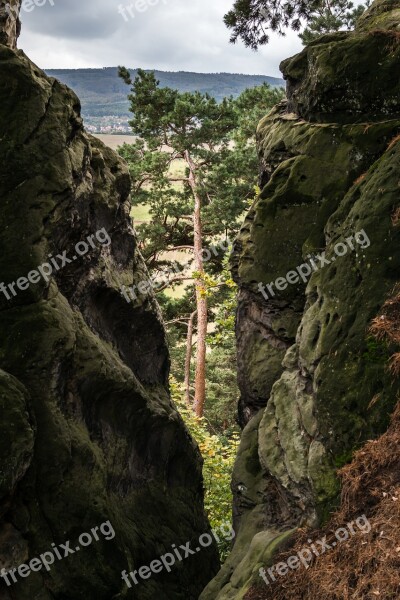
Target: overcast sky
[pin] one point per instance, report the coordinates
(170, 35)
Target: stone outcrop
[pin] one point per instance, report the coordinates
(314, 385)
(10, 25)
(88, 432)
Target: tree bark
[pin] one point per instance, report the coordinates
(201, 297)
(189, 341)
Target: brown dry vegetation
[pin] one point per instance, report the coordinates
(390, 36)
(366, 566)
(396, 214)
(387, 327)
(360, 179)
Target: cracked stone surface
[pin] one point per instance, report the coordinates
(10, 25)
(88, 432)
(313, 385)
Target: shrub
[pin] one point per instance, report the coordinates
(218, 452)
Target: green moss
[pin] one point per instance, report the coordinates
(376, 352)
(328, 173)
(334, 69)
(288, 220)
(383, 14)
(343, 459)
(89, 432)
(17, 433)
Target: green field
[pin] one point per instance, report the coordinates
(140, 213)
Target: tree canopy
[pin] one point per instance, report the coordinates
(252, 20)
(194, 167)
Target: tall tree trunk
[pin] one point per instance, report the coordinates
(189, 341)
(201, 297)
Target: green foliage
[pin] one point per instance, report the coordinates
(102, 94)
(250, 20)
(182, 121)
(252, 105)
(219, 454)
(222, 388)
(220, 138)
(377, 352)
(343, 459)
(169, 124)
(333, 17)
(221, 383)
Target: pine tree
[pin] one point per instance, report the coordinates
(194, 169)
(251, 20)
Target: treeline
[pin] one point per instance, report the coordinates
(102, 93)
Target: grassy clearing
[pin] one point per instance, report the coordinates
(140, 213)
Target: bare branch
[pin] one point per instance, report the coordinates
(176, 248)
(186, 323)
(171, 281)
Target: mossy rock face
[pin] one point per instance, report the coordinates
(307, 170)
(353, 76)
(89, 433)
(342, 300)
(256, 537)
(263, 337)
(314, 385)
(382, 14)
(17, 434)
(10, 25)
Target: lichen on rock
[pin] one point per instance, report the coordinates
(89, 433)
(312, 387)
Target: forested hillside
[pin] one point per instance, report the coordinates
(103, 94)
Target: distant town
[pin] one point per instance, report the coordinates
(104, 96)
(111, 124)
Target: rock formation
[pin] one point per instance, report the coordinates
(10, 25)
(88, 431)
(314, 385)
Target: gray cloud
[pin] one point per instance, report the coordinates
(71, 19)
(164, 34)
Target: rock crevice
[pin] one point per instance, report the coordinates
(88, 431)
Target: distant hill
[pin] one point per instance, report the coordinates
(104, 95)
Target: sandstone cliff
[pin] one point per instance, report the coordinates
(314, 385)
(10, 25)
(87, 432)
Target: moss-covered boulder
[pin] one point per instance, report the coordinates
(353, 75)
(308, 167)
(88, 430)
(314, 385)
(17, 434)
